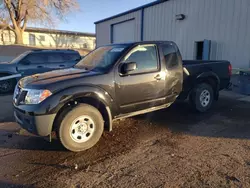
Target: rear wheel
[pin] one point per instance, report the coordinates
(7, 86)
(202, 97)
(81, 128)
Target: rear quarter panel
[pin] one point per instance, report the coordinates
(196, 68)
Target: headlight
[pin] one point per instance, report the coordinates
(36, 96)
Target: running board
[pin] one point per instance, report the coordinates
(142, 111)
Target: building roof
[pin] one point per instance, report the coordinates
(132, 10)
(45, 30)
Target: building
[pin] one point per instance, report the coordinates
(40, 37)
(203, 29)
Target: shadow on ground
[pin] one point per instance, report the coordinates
(228, 119)
(12, 185)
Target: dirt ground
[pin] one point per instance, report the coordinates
(175, 147)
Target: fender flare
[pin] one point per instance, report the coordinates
(214, 76)
(68, 95)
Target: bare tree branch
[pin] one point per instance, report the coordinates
(15, 10)
(12, 17)
(17, 13)
(24, 22)
(19, 7)
(5, 24)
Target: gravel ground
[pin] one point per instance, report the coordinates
(175, 147)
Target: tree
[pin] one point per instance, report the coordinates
(15, 14)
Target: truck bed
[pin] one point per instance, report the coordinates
(194, 68)
(201, 62)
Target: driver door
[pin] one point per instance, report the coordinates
(144, 87)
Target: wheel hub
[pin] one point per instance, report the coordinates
(82, 129)
(4, 85)
(205, 98)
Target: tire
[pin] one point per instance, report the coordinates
(81, 128)
(7, 86)
(202, 97)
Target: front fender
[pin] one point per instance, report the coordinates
(57, 100)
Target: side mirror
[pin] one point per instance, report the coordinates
(25, 62)
(128, 67)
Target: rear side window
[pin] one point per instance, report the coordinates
(170, 55)
(55, 57)
(36, 58)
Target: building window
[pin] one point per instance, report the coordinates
(32, 39)
(85, 45)
(42, 38)
(6, 37)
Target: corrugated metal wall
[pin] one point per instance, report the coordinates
(225, 22)
(103, 30)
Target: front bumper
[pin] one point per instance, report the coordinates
(37, 124)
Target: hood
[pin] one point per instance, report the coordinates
(53, 77)
(6, 67)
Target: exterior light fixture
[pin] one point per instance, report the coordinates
(180, 17)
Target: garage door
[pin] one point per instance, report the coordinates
(124, 32)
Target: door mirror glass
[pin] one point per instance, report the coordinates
(25, 62)
(128, 67)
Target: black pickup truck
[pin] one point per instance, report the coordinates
(112, 82)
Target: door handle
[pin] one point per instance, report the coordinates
(158, 77)
(61, 66)
(39, 66)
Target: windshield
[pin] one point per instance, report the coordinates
(102, 59)
(21, 56)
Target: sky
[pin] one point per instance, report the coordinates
(94, 10)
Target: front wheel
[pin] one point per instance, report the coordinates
(202, 97)
(7, 86)
(81, 128)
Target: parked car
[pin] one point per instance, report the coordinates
(32, 62)
(112, 82)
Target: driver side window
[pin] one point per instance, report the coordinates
(145, 57)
